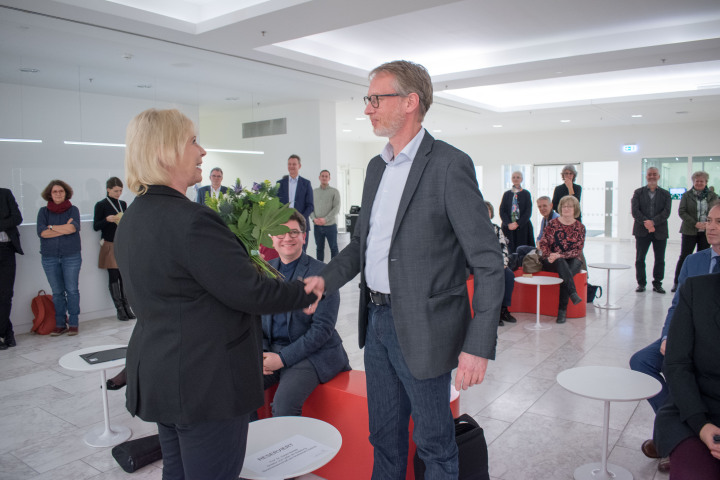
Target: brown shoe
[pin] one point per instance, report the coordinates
(58, 331)
(648, 448)
(72, 331)
(664, 465)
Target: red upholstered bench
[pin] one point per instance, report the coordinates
(524, 296)
(342, 402)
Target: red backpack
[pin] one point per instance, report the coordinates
(44, 311)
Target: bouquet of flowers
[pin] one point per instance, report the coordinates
(253, 215)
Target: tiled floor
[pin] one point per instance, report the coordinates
(535, 429)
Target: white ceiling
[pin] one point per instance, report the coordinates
(522, 64)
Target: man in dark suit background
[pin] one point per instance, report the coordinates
(215, 187)
(423, 219)
(10, 218)
(300, 351)
(650, 208)
(649, 360)
(297, 191)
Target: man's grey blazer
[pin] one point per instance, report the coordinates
(442, 227)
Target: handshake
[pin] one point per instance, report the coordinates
(314, 285)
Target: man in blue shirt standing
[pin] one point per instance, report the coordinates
(297, 191)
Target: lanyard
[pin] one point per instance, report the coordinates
(113, 205)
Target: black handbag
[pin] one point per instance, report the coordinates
(472, 451)
(135, 454)
(592, 292)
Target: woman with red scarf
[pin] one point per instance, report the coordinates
(58, 226)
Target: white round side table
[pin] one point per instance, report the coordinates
(609, 384)
(104, 435)
(538, 280)
(608, 267)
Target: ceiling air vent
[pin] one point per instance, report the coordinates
(276, 126)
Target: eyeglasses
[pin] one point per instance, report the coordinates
(292, 233)
(566, 174)
(374, 100)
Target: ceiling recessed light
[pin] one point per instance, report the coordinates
(360, 118)
(636, 116)
(437, 131)
(29, 70)
(564, 121)
(345, 130)
(497, 126)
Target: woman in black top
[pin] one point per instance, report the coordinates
(515, 211)
(108, 213)
(568, 187)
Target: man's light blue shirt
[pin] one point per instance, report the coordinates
(384, 212)
(292, 188)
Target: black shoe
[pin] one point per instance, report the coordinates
(674, 289)
(575, 298)
(118, 381)
(562, 316)
(4, 346)
(640, 288)
(506, 316)
(10, 339)
(501, 323)
(658, 289)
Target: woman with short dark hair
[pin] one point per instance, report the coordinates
(58, 226)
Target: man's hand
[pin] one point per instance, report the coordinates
(319, 221)
(271, 362)
(706, 435)
(649, 225)
(662, 346)
(470, 371)
(314, 285)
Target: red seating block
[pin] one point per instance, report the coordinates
(342, 402)
(524, 296)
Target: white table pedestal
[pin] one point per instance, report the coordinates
(106, 435)
(609, 384)
(608, 267)
(538, 281)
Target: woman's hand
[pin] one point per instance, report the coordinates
(569, 184)
(513, 226)
(553, 256)
(706, 435)
(112, 218)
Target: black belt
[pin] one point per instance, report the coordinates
(379, 299)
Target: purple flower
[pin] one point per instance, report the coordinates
(237, 187)
(256, 187)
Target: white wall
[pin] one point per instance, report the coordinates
(573, 146)
(53, 116)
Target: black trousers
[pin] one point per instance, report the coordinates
(7, 282)
(687, 246)
(642, 245)
(204, 450)
(566, 268)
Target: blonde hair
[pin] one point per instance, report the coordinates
(154, 142)
(571, 200)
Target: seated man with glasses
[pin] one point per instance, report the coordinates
(300, 351)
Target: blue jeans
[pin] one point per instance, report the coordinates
(393, 394)
(649, 360)
(321, 233)
(63, 274)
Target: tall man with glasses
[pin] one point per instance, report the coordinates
(423, 220)
(650, 210)
(299, 350)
